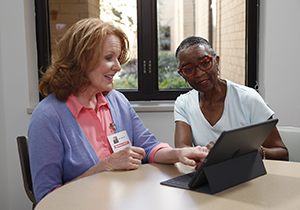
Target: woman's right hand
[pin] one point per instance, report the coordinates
(126, 159)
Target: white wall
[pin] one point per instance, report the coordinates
(18, 67)
(161, 124)
(3, 153)
(18, 82)
(279, 58)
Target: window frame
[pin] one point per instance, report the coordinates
(148, 49)
(252, 43)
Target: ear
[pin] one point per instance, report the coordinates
(218, 60)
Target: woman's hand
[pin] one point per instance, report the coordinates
(192, 156)
(210, 145)
(126, 159)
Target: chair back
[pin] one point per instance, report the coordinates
(291, 138)
(25, 168)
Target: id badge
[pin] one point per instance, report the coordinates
(119, 141)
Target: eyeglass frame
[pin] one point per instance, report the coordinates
(180, 71)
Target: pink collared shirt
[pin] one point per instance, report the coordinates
(95, 125)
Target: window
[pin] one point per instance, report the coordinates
(155, 28)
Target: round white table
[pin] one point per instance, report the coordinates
(141, 189)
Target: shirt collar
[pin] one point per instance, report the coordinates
(75, 106)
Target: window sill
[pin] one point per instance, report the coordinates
(31, 109)
(153, 106)
(140, 106)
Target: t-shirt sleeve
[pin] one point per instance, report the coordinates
(256, 106)
(180, 113)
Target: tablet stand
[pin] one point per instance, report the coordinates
(232, 172)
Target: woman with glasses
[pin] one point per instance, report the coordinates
(215, 104)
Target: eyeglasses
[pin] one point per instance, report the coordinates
(190, 70)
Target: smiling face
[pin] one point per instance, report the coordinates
(202, 81)
(101, 76)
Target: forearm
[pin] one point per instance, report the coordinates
(183, 135)
(127, 159)
(181, 144)
(275, 153)
(102, 166)
(274, 147)
(167, 156)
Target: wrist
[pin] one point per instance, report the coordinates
(263, 151)
(105, 165)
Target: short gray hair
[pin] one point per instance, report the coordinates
(194, 41)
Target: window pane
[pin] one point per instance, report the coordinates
(222, 23)
(168, 23)
(124, 14)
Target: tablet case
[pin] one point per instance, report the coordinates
(219, 174)
(232, 172)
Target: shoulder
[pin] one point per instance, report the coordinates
(241, 90)
(48, 104)
(186, 97)
(50, 108)
(115, 95)
(117, 100)
(245, 96)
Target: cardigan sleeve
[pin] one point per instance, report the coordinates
(46, 155)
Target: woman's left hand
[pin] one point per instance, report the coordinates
(210, 145)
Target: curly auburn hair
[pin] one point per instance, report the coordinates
(77, 52)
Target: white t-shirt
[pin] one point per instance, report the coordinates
(243, 106)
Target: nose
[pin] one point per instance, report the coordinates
(199, 72)
(117, 66)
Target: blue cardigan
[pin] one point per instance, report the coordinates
(60, 151)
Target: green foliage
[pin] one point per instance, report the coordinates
(168, 78)
(127, 77)
(120, 13)
(127, 82)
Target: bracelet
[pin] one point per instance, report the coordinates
(263, 152)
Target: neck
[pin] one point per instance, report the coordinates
(87, 100)
(217, 94)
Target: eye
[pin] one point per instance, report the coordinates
(108, 58)
(188, 70)
(205, 64)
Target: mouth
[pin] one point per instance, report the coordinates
(109, 77)
(203, 82)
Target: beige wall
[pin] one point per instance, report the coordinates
(201, 13)
(64, 13)
(230, 36)
(228, 31)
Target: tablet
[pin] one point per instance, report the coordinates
(230, 144)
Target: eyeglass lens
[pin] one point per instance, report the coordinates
(203, 65)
